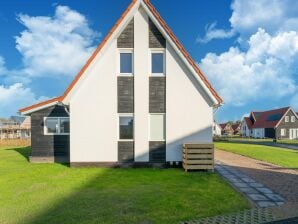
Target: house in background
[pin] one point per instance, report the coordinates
(278, 123)
(15, 128)
(236, 128)
(226, 129)
(216, 129)
(128, 103)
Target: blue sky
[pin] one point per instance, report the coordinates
(247, 49)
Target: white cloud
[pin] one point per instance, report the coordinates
(14, 97)
(272, 15)
(264, 70)
(50, 46)
(213, 33)
(57, 45)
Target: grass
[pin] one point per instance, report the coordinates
(55, 193)
(282, 157)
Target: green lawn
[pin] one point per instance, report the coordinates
(283, 157)
(55, 193)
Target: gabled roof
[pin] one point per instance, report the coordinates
(248, 122)
(270, 118)
(108, 37)
(236, 126)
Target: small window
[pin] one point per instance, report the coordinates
(56, 125)
(126, 63)
(157, 127)
(157, 63)
(292, 118)
(126, 128)
(282, 132)
(287, 119)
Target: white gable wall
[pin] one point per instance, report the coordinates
(93, 107)
(93, 112)
(188, 118)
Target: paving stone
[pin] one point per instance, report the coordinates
(248, 180)
(235, 180)
(264, 190)
(248, 190)
(241, 184)
(257, 197)
(229, 176)
(256, 185)
(265, 204)
(275, 197)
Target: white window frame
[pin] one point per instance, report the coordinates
(118, 128)
(165, 133)
(287, 119)
(293, 118)
(157, 50)
(125, 50)
(45, 130)
(283, 132)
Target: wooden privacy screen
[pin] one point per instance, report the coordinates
(198, 157)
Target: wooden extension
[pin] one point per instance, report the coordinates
(198, 157)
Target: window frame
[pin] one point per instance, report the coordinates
(45, 130)
(287, 119)
(118, 129)
(125, 50)
(156, 51)
(282, 132)
(293, 119)
(165, 133)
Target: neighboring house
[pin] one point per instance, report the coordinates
(236, 128)
(15, 127)
(278, 123)
(226, 129)
(216, 129)
(138, 98)
(246, 127)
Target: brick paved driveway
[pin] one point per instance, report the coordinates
(282, 180)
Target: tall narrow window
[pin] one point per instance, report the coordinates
(126, 127)
(157, 127)
(286, 118)
(126, 63)
(292, 118)
(157, 63)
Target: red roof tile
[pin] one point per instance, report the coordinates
(248, 122)
(270, 118)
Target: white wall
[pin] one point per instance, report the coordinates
(93, 112)
(189, 118)
(93, 107)
(141, 86)
(258, 132)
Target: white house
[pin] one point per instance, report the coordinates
(216, 129)
(138, 98)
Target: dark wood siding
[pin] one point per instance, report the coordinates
(125, 152)
(126, 38)
(269, 133)
(157, 152)
(48, 145)
(157, 94)
(156, 39)
(287, 126)
(125, 95)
